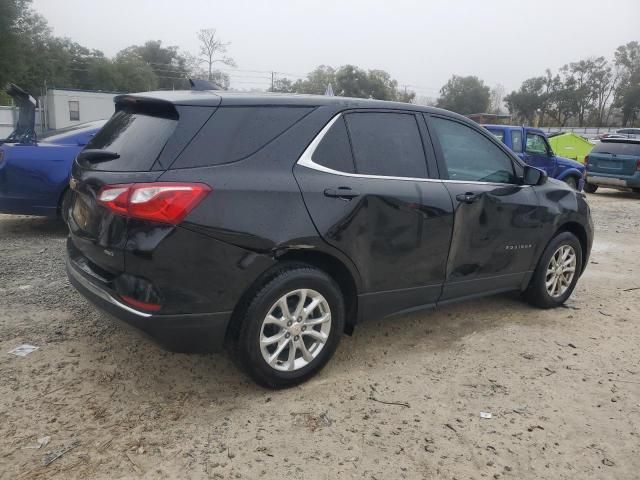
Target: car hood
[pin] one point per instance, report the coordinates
(27, 104)
(567, 162)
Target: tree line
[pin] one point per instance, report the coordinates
(587, 92)
(32, 57)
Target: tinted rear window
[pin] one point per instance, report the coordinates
(387, 144)
(234, 133)
(137, 137)
(617, 148)
(334, 150)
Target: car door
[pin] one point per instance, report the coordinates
(366, 184)
(538, 153)
(496, 220)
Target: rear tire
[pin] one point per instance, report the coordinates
(65, 204)
(590, 187)
(557, 272)
(268, 334)
(572, 182)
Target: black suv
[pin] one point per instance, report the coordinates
(273, 224)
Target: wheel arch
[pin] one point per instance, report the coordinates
(570, 172)
(581, 233)
(291, 258)
(337, 270)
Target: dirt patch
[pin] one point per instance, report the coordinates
(401, 399)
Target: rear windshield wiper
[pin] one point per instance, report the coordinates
(97, 155)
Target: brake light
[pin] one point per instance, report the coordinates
(152, 307)
(165, 202)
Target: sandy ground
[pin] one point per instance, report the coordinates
(563, 386)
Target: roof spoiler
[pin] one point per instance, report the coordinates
(202, 85)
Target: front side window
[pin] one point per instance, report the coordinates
(387, 144)
(470, 156)
(516, 140)
(334, 151)
(74, 110)
(536, 144)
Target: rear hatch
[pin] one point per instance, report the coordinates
(614, 157)
(136, 145)
(25, 128)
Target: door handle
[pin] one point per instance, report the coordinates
(468, 197)
(345, 193)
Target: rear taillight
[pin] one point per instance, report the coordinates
(165, 202)
(152, 307)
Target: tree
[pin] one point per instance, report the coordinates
(464, 95)
(212, 50)
(603, 84)
(627, 95)
(496, 99)
(526, 102)
(167, 63)
(282, 85)
(348, 81)
(316, 81)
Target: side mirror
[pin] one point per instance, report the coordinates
(534, 176)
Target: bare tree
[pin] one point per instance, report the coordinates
(212, 50)
(496, 99)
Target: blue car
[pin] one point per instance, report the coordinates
(35, 170)
(532, 146)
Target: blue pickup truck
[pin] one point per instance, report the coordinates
(532, 146)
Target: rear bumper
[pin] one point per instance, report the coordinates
(184, 332)
(615, 181)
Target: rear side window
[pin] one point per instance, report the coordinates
(387, 144)
(516, 141)
(470, 156)
(137, 137)
(499, 134)
(234, 133)
(617, 148)
(334, 151)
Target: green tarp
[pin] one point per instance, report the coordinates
(570, 145)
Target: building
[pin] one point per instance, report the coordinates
(66, 107)
(492, 118)
(60, 108)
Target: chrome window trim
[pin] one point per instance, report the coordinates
(306, 160)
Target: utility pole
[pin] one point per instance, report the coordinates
(272, 80)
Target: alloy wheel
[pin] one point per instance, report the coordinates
(295, 330)
(560, 271)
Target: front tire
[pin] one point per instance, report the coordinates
(291, 327)
(557, 272)
(572, 182)
(590, 187)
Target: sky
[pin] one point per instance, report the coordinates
(420, 43)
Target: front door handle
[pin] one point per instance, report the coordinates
(468, 197)
(345, 193)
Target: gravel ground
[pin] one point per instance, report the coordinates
(401, 399)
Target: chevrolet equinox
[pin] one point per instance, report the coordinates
(273, 224)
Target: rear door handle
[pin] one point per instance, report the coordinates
(345, 193)
(468, 197)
